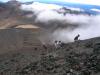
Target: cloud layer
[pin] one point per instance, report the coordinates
(63, 27)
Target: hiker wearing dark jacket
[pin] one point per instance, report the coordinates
(76, 38)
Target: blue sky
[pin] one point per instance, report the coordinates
(91, 2)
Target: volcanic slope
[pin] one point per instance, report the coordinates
(76, 58)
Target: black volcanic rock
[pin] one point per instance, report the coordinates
(14, 3)
(76, 58)
(3, 6)
(65, 10)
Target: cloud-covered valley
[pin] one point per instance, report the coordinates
(64, 27)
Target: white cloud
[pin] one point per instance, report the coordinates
(89, 26)
(40, 6)
(97, 10)
(37, 7)
(47, 15)
(90, 29)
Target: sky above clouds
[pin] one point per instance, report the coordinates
(92, 2)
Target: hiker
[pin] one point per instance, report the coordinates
(58, 44)
(44, 45)
(76, 38)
